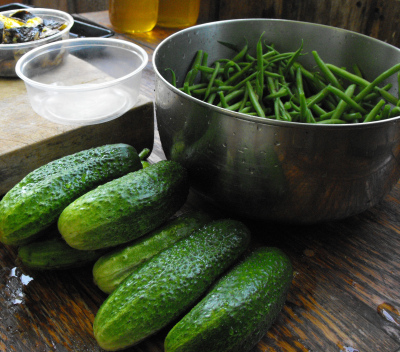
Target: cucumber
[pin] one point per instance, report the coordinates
(239, 309)
(54, 254)
(112, 268)
(39, 198)
(168, 284)
(125, 208)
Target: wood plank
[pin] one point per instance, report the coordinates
(378, 19)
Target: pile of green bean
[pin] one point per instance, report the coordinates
(276, 85)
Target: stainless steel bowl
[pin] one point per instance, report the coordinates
(266, 169)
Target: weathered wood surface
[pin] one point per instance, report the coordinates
(345, 295)
(377, 18)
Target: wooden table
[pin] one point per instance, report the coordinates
(345, 294)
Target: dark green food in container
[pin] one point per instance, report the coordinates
(275, 85)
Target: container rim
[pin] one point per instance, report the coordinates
(77, 42)
(47, 12)
(259, 119)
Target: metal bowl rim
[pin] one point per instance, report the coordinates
(257, 119)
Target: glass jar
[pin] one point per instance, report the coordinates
(178, 13)
(130, 16)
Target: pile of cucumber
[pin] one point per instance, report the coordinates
(109, 208)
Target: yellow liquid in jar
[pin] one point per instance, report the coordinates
(130, 16)
(178, 13)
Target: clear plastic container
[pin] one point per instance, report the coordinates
(83, 81)
(10, 53)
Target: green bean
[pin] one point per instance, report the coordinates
(342, 105)
(209, 70)
(389, 97)
(188, 78)
(228, 66)
(342, 95)
(395, 112)
(374, 112)
(223, 102)
(243, 82)
(311, 101)
(357, 70)
(368, 86)
(326, 71)
(234, 107)
(186, 88)
(327, 116)
(254, 100)
(310, 117)
(272, 74)
(386, 112)
(398, 85)
(231, 46)
(317, 109)
(244, 100)
(211, 98)
(239, 74)
(202, 90)
(351, 117)
(386, 74)
(260, 69)
(278, 94)
(196, 87)
(210, 83)
(203, 63)
(235, 94)
(293, 59)
(241, 53)
(302, 97)
(195, 66)
(347, 75)
(247, 109)
(331, 121)
(173, 76)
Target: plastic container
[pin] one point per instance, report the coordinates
(83, 81)
(130, 16)
(10, 53)
(178, 13)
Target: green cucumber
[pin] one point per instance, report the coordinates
(239, 309)
(54, 254)
(38, 199)
(168, 284)
(112, 268)
(125, 208)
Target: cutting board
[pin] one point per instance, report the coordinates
(28, 141)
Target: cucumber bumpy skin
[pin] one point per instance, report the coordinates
(113, 267)
(168, 284)
(54, 254)
(239, 309)
(38, 199)
(125, 208)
